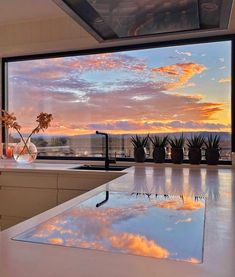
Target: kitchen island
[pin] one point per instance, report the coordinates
(25, 259)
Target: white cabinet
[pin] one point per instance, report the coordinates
(67, 194)
(84, 180)
(8, 221)
(26, 202)
(73, 185)
(28, 179)
(25, 194)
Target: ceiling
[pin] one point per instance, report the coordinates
(14, 11)
(133, 19)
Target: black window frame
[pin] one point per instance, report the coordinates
(111, 49)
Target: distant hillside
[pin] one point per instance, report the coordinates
(223, 135)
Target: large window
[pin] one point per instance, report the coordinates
(166, 90)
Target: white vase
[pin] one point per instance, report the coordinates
(25, 153)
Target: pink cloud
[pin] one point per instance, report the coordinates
(56, 86)
(61, 67)
(133, 126)
(122, 109)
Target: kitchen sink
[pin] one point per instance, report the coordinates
(100, 167)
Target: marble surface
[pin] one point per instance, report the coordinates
(216, 184)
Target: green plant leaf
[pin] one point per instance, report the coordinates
(195, 142)
(177, 142)
(158, 141)
(138, 141)
(212, 142)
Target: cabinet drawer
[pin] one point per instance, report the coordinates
(85, 180)
(9, 221)
(26, 202)
(34, 180)
(67, 194)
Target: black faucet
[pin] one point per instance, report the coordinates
(104, 201)
(106, 148)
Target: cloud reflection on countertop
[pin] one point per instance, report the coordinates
(160, 227)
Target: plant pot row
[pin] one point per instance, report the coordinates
(177, 155)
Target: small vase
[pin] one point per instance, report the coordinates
(25, 153)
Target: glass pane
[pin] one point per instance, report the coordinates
(154, 91)
(139, 18)
(167, 227)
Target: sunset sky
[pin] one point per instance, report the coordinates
(181, 88)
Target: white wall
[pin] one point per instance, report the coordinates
(48, 35)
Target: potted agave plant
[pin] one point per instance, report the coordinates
(195, 144)
(177, 152)
(139, 144)
(212, 149)
(159, 151)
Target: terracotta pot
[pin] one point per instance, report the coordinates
(212, 156)
(194, 155)
(139, 155)
(159, 155)
(177, 155)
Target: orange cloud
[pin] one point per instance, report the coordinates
(83, 244)
(139, 245)
(58, 241)
(171, 70)
(181, 73)
(93, 245)
(225, 80)
(170, 204)
(49, 227)
(187, 204)
(190, 205)
(193, 260)
(206, 110)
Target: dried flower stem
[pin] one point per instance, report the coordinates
(25, 142)
(9, 121)
(25, 145)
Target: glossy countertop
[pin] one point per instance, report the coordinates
(12, 165)
(150, 225)
(217, 184)
(55, 166)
